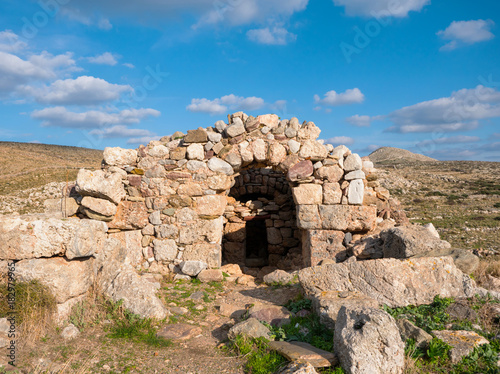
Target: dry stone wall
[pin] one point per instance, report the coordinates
(190, 198)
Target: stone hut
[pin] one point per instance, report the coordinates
(254, 191)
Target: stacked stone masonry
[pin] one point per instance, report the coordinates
(193, 197)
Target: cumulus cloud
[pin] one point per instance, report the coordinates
(359, 121)
(83, 90)
(225, 103)
(143, 139)
(381, 8)
(332, 98)
(449, 140)
(106, 58)
(465, 33)
(276, 35)
(15, 71)
(121, 131)
(338, 140)
(129, 65)
(206, 12)
(9, 42)
(458, 112)
(61, 117)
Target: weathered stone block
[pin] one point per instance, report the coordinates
(308, 193)
(319, 245)
(348, 217)
(210, 205)
(130, 215)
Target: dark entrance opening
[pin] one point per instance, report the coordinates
(256, 252)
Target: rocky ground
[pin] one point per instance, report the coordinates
(461, 199)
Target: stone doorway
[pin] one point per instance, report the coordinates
(261, 228)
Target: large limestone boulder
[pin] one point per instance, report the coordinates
(391, 281)
(116, 156)
(65, 279)
(25, 237)
(119, 281)
(367, 341)
(409, 241)
(100, 184)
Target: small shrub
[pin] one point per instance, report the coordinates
(297, 305)
(260, 359)
(496, 205)
(437, 350)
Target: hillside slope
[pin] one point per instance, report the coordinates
(27, 165)
(397, 155)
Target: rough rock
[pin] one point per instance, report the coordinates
(70, 332)
(179, 332)
(409, 331)
(192, 268)
(298, 368)
(278, 277)
(391, 281)
(159, 151)
(65, 279)
(308, 193)
(304, 352)
(462, 342)
(196, 136)
(130, 215)
(313, 150)
(259, 150)
(356, 192)
(348, 217)
(121, 282)
(29, 237)
(66, 207)
(409, 241)
(210, 205)
(327, 304)
(195, 151)
(464, 260)
(269, 120)
(165, 250)
(101, 206)
(220, 166)
(116, 156)
(251, 328)
(272, 314)
(332, 193)
(332, 173)
(367, 340)
(353, 162)
(293, 145)
(210, 275)
(235, 129)
(99, 184)
(300, 170)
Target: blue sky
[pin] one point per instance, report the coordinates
(417, 74)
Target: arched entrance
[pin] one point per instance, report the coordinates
(261, 227)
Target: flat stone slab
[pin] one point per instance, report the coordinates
(304, 352)
(462, 342)
(179, 332)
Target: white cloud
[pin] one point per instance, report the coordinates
(9, 42)
(332, 98)
(466, 32)
(207, 12)
(458, 112)
(14, 71)
(129, 65)
(143, 139)
(104, 24)
(337, 140)
(105, 59)
(225, 103)
(83, 90)
(449, 140)
(495, 135)
(121, 131)
(381, 8)
(360, 121)
(276, 35)
(61, 117)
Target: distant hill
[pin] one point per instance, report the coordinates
(28, 165)
(386, 155)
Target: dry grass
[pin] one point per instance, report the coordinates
(34, 310)
(26, 165)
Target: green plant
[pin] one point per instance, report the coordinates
(300, 303)
(428, 317)
(496, 205)
(437, 350)
(260, 359)
(130, 326)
